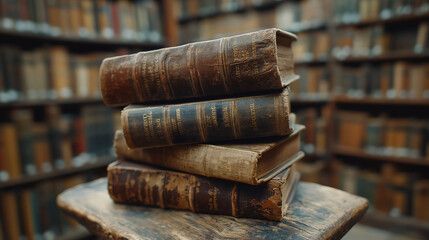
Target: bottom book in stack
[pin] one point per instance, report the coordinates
(254, 179)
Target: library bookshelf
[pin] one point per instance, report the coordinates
(50, 105)
(328, 55)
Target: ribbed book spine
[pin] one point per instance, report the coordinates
(209, 121)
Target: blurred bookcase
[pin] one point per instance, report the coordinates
(363, 92)
(55, 131)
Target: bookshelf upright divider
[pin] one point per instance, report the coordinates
(55, 131)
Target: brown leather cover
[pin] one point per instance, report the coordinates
(207, 121)
(244, 162)
(246, 63)
(140, 184)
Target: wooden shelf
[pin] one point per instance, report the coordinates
(28, 36)
(25, 180)
(304, 100)
(35, 103)
(376, 101)
(344, 151)
(312, 62)
(396, 19)
(263, 6)
(393, 56)
(401, 224)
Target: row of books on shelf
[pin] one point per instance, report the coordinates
(377, 40)
(294, 15)
(389, 189)
(300, 15)
(62, 140)
(312, 46)
(251, 20)
(48, 73)
(203, 8)
(313, 140)
(32, 212)
(313, 83)
(360, 10)
(383, 135)
(225, 25)
(397, 80)
(131, 20)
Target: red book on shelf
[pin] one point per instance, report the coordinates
(115, 19)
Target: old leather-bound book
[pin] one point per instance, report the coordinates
(241, 64)
(139, 184)
(207, 121)
(251, 162)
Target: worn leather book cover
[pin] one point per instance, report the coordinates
(139, 184)
(207, 121)
(252, 162)
(241, 64)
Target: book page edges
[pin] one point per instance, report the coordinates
(300, 155)
(289, 192)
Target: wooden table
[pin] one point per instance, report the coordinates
(317, 212)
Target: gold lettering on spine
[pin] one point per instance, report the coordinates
(253, 116)
(179, 122)
(149, 124)
(146, 127)
(236, 55)
(225, 112)
(214, 117)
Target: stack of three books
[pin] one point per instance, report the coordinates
(215, 135)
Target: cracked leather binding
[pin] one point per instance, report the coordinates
(238, 65)
(139, 184)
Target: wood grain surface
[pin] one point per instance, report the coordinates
(317, 212)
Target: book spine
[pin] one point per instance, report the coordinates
(209, 121)
(175, 190)
(226, 66)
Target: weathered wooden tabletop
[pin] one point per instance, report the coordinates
(317, 212)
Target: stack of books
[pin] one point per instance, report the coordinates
(215, 134)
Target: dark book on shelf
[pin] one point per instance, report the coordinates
(184, 191)
(241, 64)
(207, 121)
(252, 162)
(23, 120)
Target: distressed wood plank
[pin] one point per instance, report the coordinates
(317, 212)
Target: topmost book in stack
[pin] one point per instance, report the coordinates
(244, 65)
(219, 92)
